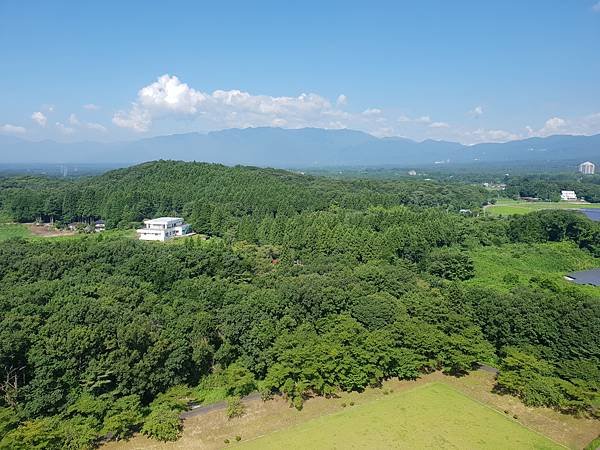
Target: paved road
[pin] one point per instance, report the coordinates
(204, 409)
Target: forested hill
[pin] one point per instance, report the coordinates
(307, 286)
(214, 194)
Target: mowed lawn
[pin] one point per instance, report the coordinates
(508, 207)
(431, 416)
(11, 230)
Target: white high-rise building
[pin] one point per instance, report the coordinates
(163, 229)
(587, 168)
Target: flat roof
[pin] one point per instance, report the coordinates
(163, 220)
(585, 277)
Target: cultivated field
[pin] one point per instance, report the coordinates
(508, 207)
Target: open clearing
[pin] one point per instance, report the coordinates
(264, 421)
(429, 416)
(505, 266)
(508, 207)
(12, 230)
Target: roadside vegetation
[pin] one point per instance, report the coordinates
(306, 287)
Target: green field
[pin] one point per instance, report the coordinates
(430, 416)
(11, 230)
(505, 266)
(507, 207)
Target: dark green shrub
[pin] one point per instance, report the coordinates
(235, 407)
(163, 424)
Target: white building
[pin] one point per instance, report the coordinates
(587, 168)
(568, 195)
(163, 229)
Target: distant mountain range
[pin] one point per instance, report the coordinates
(307, 147)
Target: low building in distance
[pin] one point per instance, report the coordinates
(412, 173)
(164, 229)
(99, 226)
(587, 168)
(568, 196)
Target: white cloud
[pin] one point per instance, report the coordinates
(341, 100)
(439, 125)
(91, 107)
(554, 125)
(64, 129)
(73, 120)
(137, 119)
(421, 120)
(12, 129)
(168, 96)
(477, 111)
(96, 127)
(39, 118)
(586, 125)
(596, 7)
(483, 135)
(371, 112)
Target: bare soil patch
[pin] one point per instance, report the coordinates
(46, 230)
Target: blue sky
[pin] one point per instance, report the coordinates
(469, 71)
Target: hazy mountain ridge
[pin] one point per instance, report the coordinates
(296, 148)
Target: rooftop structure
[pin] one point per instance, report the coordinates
(163, 229)
(585, 277)
(568, 195)
(587, 168)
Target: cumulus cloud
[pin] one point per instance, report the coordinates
(483, 135)
(64, 129)
(341, 100)
(96, 127)
(420, 120)
(40, 118)
(596, 7)
(73, 120)
(553, 125)
(168, 96)
(91, 107)
(136, 118)
(477, 111)
(372, 112)
(12, 129)
(439, 125)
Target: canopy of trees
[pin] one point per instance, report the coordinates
(308, 286)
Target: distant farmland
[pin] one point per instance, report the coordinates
(508, 207)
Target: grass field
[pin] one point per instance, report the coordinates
(430, 416)
(504, 266)
(11, 230)
(508, 207)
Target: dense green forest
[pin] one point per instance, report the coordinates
(306, 286)
(548, 187)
